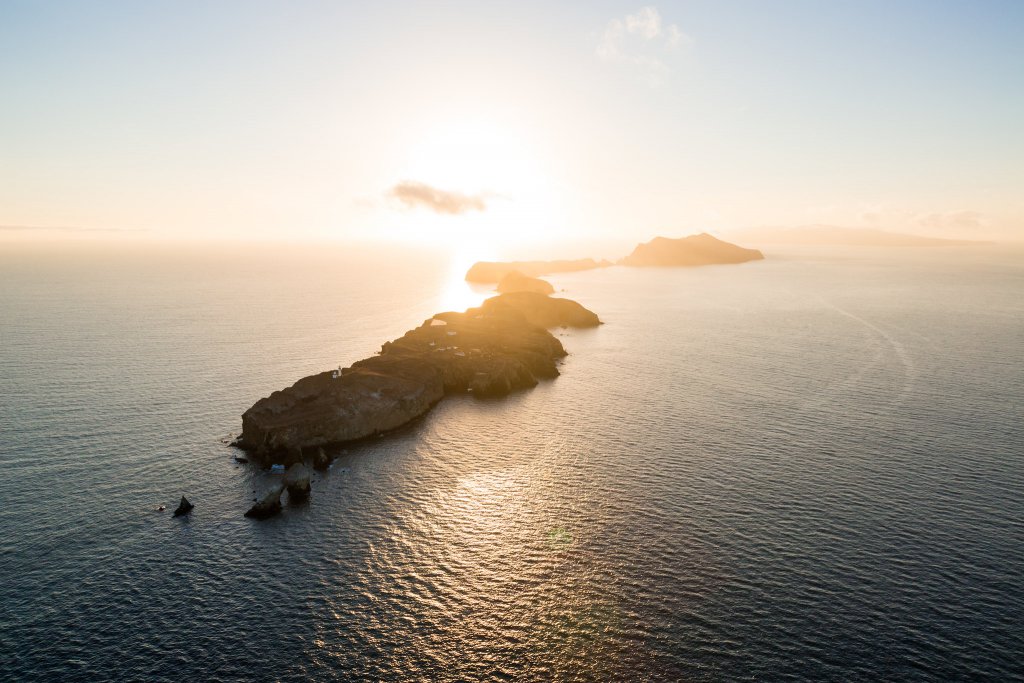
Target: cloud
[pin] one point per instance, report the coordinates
(959, 222)
(646, 23)
(953, 220)
(641, 40)
(871, 217)
(676, 37)
(414, 194)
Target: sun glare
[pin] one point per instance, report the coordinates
(457, 294)
(495, 163)
(473, 156)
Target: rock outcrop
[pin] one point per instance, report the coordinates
(695, 250)
(184, 507)
(517, 282)
(321, 461)
(267, 506)
(494, 271)
(296, 481)
(492, 350)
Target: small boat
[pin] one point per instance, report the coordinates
(277, 469)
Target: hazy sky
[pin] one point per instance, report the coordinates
(510, 122)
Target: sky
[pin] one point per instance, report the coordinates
(508, 124)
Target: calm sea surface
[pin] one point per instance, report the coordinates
(808, 468)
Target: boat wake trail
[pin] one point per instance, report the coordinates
(899, 352)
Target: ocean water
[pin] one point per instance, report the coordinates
(807, 468)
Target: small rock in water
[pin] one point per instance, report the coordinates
(296, 480)
(269, 506)
(184, 507)
(320, 460)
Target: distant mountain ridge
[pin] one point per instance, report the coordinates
(694, 250)
(839, 236)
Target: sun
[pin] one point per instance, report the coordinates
(475, 156)
(499, 163)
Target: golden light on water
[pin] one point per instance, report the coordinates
(457, 294)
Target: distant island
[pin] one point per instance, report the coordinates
(825, 235)
(695, 250)
(494, 349)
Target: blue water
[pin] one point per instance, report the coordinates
(806, 468)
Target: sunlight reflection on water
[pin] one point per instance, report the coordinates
(457, 294)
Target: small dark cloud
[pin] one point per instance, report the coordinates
(413, 194)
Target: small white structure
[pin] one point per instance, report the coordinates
(437, 323)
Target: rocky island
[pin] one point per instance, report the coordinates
(695, 250)
(491, 350)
